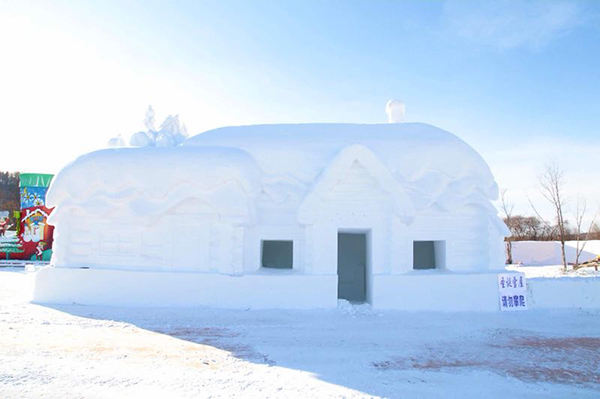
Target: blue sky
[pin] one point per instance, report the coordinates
(518, 80)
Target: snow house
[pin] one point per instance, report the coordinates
(398, 215)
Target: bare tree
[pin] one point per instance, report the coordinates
(508, 210)
(552, 185)
(579, 215)
(540, 228)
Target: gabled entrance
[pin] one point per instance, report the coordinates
(355, 166)
(352, 267)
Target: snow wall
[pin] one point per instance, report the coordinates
(417, 292)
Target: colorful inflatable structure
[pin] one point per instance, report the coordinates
(32, 239)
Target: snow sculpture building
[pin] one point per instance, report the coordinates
(398, 215)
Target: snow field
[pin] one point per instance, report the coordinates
(111, 352)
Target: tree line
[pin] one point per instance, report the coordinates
(531, 228)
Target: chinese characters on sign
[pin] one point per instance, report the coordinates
(512, 290)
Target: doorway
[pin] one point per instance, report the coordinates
(352, 267)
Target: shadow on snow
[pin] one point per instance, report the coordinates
(375, 352)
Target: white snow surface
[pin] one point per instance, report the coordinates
(432, 167)
(435, 166)
(352, 352)
(149, 181)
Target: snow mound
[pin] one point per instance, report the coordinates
(141, 139)
(116, 142)
(355, 309)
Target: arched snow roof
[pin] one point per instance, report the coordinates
(149, 181)
(429, 160)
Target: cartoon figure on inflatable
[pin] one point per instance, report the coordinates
(3, 226)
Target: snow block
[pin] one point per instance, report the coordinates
(437, 292)
(155, 289)
(449, 292)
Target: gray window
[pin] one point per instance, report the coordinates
(428, 255)
(277, 254)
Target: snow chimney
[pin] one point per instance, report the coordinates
(395, 111)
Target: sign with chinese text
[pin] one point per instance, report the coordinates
(512, 291)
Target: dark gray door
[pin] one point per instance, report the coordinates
(352, 267)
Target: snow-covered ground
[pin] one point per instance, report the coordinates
(108, 352)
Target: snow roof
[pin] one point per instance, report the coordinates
(429, 161)
(228, 168)
(149, 181)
